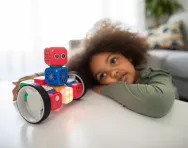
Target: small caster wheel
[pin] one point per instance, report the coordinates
(73, 75)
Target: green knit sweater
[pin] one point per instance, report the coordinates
(152, 95)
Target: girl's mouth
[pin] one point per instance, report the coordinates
(123, 77)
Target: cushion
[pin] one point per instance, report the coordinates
(181, 16)
(166, 36)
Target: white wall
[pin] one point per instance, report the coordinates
(130, 12)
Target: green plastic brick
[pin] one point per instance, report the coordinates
(25, 82)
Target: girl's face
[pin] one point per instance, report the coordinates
(109, 68)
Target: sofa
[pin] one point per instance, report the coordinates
(175, 61)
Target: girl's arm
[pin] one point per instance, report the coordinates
(154, 98)
(40, 73)
(16, 83)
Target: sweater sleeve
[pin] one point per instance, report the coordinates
(153, 98)
(40, 73)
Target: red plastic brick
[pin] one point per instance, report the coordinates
(77, 89)
(40, 80)
(55, 56)
(56, 100)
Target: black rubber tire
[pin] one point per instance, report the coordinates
(80, 79)
(46, 101)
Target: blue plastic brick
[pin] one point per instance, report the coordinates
(51, 91)
(70, 83)
(56, 76)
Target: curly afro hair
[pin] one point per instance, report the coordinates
(106, 36)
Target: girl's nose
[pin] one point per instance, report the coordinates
(114, 73)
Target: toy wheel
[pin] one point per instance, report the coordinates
(33, 103)
(77, 77)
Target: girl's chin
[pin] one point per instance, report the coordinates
(130, 81)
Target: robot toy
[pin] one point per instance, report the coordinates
(39, 96)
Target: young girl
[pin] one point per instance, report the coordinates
(113, 63)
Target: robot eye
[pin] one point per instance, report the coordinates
(63, 56)
(56, 56)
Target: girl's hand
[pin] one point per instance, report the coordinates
(16, 88)
(97, 89)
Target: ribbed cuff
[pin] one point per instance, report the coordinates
(40, 74)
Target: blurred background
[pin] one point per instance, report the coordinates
(28, 26)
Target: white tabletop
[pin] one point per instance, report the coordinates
(93, 122)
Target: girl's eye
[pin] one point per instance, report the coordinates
(113, 61)
(102, 76)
